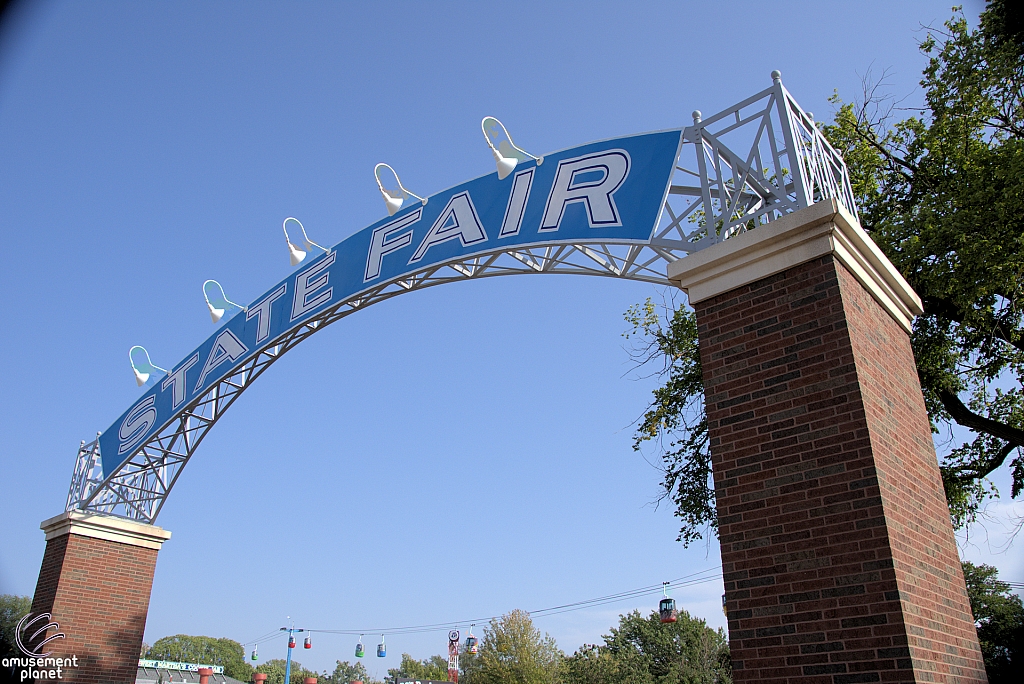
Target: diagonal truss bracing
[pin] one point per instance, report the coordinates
(739, 169)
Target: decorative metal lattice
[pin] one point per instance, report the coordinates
(739, 169)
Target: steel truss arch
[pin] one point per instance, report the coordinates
(741, 168)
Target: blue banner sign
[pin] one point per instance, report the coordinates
(609, 191)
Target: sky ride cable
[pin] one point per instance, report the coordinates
(266, 637)
(692, 579)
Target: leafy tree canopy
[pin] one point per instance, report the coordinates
(941, 194)
(275, 667)
(434, 667)
(12, 610)
(642, 650)
(513, 651)
(999, 616)
(345, 672)
(206, 650)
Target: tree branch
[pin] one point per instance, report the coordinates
(977, 472)
(892, 158)
(940, 306)
(969, 419)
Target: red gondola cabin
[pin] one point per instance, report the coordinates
(667, 609)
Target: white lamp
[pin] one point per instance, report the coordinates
(393, 201)
(218, 302)
(142, 369)
(295, 254)
(506, 160)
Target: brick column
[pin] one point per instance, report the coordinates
(839, 558)
(95, 581)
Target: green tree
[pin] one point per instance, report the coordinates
(275, 667)
(513, 651)
(346, 672)
(435, 667)
(941, 195)
(12, 610)
(207, 651)
(643, 650)
(676, 418)
(592, 664)
(999, 616)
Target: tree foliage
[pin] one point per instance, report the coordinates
(941, 193)
(275, 668)
(12, 610)
(435, 668)
(207, 651)
(676, 417)
(346, 672)
(513, 651)
(999, 616)
(642, 650)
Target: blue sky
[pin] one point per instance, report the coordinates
(401, 467)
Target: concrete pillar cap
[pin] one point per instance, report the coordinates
(791, 240)
(105, 527)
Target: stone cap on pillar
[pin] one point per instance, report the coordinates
(794, 239)
(105, 527)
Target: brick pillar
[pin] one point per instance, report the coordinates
(95, 581)
(838, 553)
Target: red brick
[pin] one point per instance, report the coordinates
(98, 592)
(828, 488)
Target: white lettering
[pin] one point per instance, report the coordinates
(594, 193)
(261, 312)
(459, 220)
(517, 200)
(136, 424)
(176, 381)
(226, 347)
(385, 241)
(308, 282)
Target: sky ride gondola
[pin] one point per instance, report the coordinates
(360, 651)
(308, 642)
(382, 650)
(472, 642)
(667, 608)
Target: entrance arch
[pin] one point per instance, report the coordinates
(643, 206)
(838, 555)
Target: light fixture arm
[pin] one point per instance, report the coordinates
(305, 238)
(221, 288)
(380, 186)
(494, 150)
(142, 377)
(148, 360)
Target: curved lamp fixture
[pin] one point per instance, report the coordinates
(506, 160)
(142, 369)
(295, 254)
(393, 202)
(217, 302)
